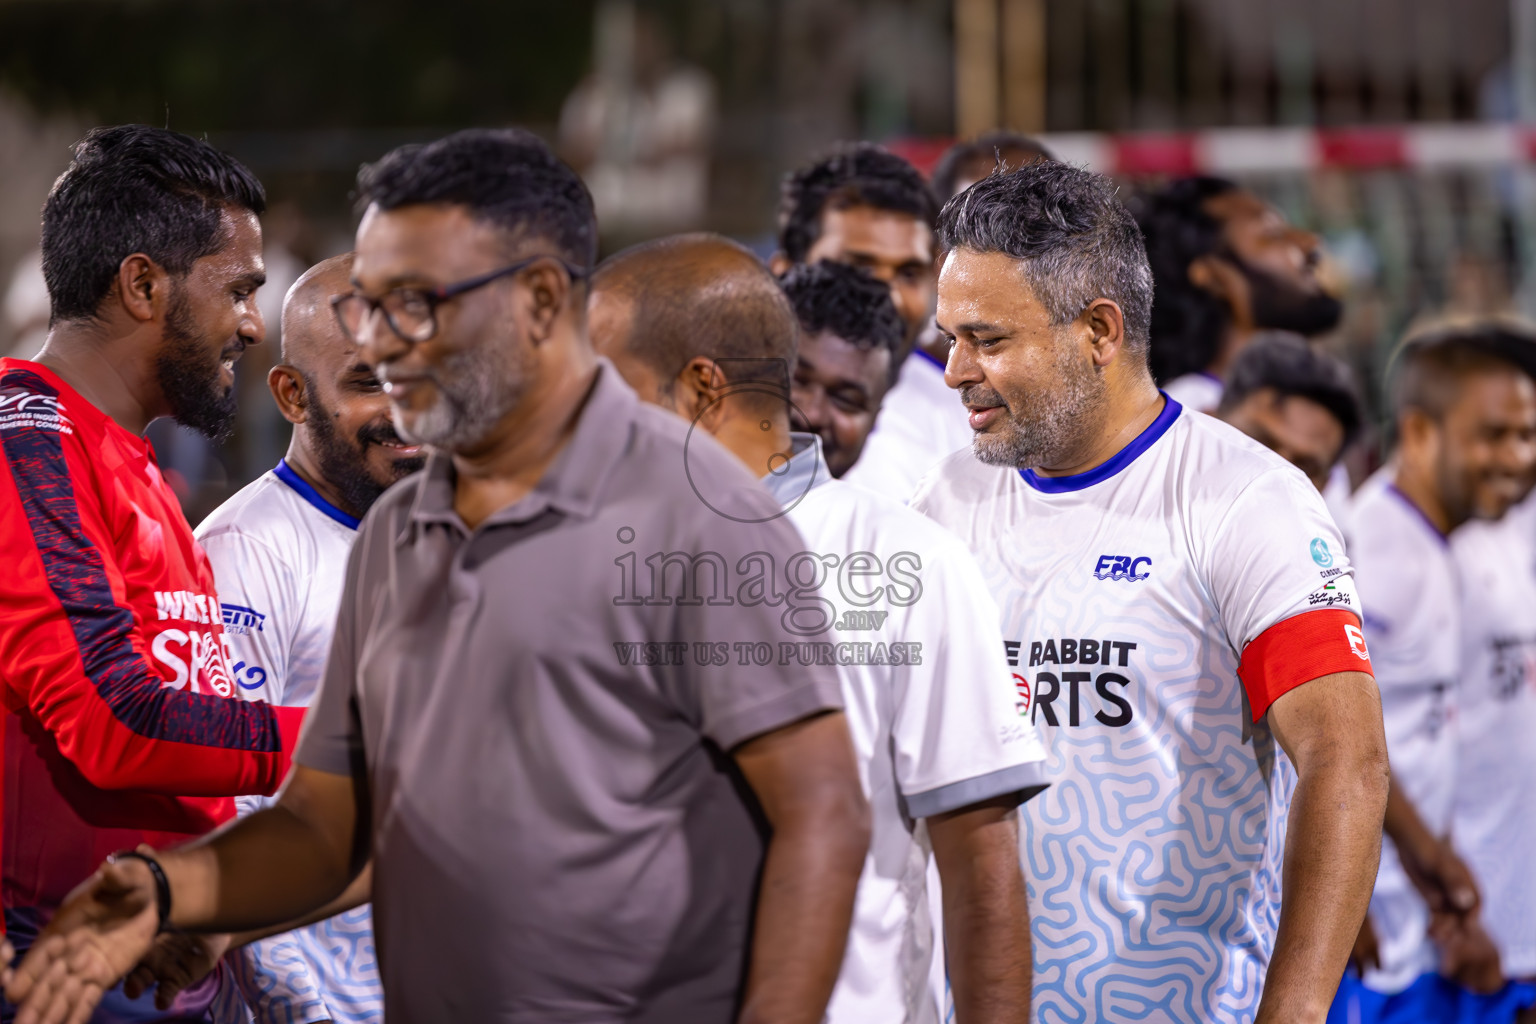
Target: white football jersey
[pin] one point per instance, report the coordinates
(1408, 582)
(1493, 819)
(920, 422)
(932, 711)
(1200, 391)
(279, 554)
(1132, 596)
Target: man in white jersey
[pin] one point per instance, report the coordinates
(1465, 416)
(865, 206)
(840, 377)
(1296, 401)
(697, 326)
(279, 552)
(1180, 608)
(1493, 815)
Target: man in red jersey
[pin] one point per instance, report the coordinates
(113, 665)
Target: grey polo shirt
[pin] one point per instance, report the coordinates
(557, 835)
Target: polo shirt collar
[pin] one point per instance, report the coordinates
(805, 470)
(574, 481)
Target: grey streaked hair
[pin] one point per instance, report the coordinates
(1074, 238)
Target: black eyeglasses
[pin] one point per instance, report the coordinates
(412, 312)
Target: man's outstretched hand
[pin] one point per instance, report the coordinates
(103, 930)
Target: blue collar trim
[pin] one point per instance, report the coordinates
(1418, 514)
(1116, 462)
(935, 360)
(286, 474)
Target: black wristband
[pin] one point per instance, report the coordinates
(162, 884)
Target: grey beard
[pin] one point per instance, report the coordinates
(475, 390)
(1053, 423)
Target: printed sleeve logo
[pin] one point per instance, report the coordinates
(1320, 553)
(20, 409)
(1357, 642)
(1123, 567)
(242, 620)
(1329, 595)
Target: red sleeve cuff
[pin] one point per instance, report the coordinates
(1298, 650)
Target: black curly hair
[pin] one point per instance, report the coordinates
(1188, 322)
(852, 174)
(134, 188)
(846, 301)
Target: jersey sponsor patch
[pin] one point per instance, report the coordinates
(243, 620)
(249, 676)
(1331, 595)
(187, 605)
(20, 407)
(1066, 696)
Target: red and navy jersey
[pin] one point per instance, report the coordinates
(122, 723)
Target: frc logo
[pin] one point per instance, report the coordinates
(1123, 567)
(1357, 642)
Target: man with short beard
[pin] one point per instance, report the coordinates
(123, 727)
(1181, 610)
(1463, 403)
(279, 553)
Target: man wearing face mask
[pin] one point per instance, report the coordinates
(279, 553)
(1225, 265)
(1464, 406)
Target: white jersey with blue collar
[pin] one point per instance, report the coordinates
(1153, 608)
(279, 555)
(1493, 818)
(1198, 392)
(931, 708)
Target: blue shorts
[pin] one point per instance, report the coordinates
(1429, 1000)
